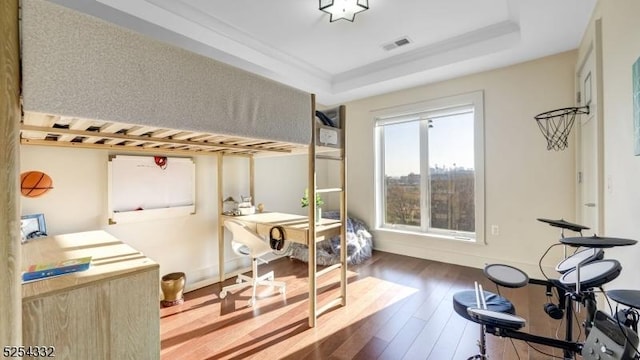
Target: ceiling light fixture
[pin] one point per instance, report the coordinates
(343, 9)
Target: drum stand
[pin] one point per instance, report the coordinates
(569, 347)
(494, 327)
(566, 304)
(492, 323)
(565, 246)
(482, 345)
(482, 340)
(505, 325)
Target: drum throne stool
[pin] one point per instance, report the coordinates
(501, 275)
(463, 300)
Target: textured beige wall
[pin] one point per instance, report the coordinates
(523, 180)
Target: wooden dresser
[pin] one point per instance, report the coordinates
(110, 311)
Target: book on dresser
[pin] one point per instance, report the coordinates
(47, 270)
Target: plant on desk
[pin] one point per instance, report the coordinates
(304, 202)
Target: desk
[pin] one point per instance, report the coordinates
(296, 229)
(110, 311)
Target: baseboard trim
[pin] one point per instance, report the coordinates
(462, 259)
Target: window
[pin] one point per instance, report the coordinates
(430, 172)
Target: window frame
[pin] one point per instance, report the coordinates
(445, 106)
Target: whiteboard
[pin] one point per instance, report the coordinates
(137, 184)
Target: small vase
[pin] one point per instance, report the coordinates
(172, 288)
(318, 214)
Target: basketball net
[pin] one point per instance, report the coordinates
(556, 125)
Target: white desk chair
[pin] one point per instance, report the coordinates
(247, 243)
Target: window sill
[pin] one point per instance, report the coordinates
(434, 236)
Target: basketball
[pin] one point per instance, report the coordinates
(35, 183)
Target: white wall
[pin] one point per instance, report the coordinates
(621, 48)
(280, 182)
(523, 180)
(188, 244)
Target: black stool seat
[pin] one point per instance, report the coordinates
(467, 298)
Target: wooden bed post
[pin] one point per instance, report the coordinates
(10, 256)
(220, 225)
(313, 290)
(252, 176)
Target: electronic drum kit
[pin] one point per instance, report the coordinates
(607, 337)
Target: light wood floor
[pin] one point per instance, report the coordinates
(398, 308)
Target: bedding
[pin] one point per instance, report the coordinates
(359, 244)
(106, 72)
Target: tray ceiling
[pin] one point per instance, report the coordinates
(291, 41)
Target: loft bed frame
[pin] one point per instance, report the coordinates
(120, 78)
(314, 228)
(52, 130)
(110, 88)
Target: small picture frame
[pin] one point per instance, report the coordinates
(32, 226)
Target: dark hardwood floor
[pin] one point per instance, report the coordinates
(398, 308)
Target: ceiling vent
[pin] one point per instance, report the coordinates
(396, 43)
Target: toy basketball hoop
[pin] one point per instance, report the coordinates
(556, 125)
